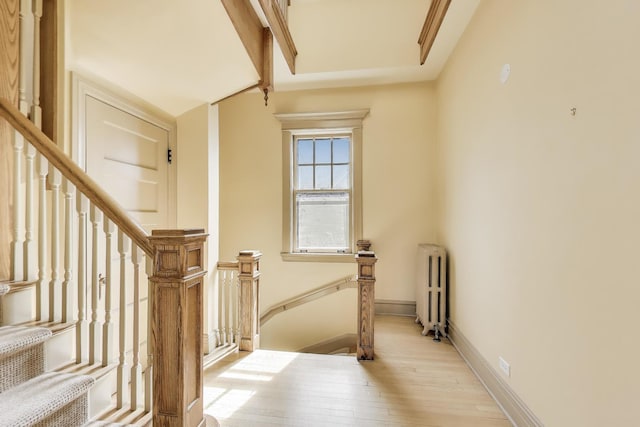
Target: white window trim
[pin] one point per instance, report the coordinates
(309, 123)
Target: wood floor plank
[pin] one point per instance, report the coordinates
(412, 382)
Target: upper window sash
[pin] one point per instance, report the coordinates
(339, 162)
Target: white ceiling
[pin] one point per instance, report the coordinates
(178, 55)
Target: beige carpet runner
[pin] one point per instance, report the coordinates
(28, 395)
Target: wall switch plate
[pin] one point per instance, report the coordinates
(504, 366)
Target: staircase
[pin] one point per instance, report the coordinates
(29, 396)
(103, 320)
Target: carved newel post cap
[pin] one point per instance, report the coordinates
(363, 245)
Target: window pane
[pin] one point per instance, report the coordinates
(341, 177)
(341, 150)
(305, 151)
(323, 150)
(323, 177)
(323, 221)
(305, 177)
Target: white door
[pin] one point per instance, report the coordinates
(127, 156)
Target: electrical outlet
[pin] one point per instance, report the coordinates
(504, 366)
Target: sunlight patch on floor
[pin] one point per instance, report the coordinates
(259, 366)
(228, 402)
(412, 382)
(265, 361)
(248, 377)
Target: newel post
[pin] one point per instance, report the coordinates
(176, 327)
(366, 302)
(249, 277)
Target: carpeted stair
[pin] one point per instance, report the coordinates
(105, 424)
(29, 396)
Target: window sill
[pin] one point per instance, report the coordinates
(317, 257)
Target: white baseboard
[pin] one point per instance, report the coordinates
(395, 308)
(517, 411)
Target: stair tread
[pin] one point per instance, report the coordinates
(19, 282)
(10, 286)
(16, 338)
(56, 327)
(106, 424)
(96, 370)
(36, 399)
(121, 417)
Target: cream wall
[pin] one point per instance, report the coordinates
(197, 161)
(398, 144)
(539, 209)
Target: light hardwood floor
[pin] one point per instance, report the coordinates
(412, 382)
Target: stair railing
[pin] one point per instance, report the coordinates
(238, 289)
(365, 281)
(347, 282)
(159, 356)
(227, 331)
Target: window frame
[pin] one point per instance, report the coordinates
(308, 124)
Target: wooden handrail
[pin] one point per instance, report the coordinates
(335, 286)
(83, 182)
(227, 265)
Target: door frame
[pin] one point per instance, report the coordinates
(81, 88)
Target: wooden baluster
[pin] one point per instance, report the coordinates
(107, 327)
(230, 310)
(36, 109)
(222, 319)
(178, 280)
(17, 262)
(94, 326)
(366, 303)
(29, 243)
(67, 305)
(249, 277)
(218, 330)
(55, 179)
(124, 245)
(82, 206)
(148, 372)
(23, 104)
(41, 292)
(228, 314)
(136, 366)
(219, 286)
(235, 285)
(19, 269)
(228, 304)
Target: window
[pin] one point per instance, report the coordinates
(322, 200)
(322, 193)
